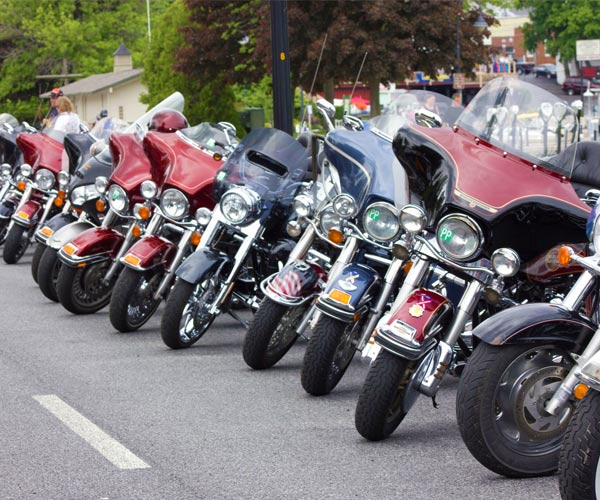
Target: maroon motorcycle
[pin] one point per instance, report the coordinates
(191, 158)
(91, 261)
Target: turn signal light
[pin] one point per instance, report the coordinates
(69, 249)
(335, 236)
(580, 391)
(21, 185)
(144, 212)
(136, 231)
(339, 296)
(218, 156)
(407, 267)
(564, 256)
(59, 202)
(61, 194)
(195, 239)
(100, 205)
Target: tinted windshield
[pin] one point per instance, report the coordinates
(526, 120)
(209, 136)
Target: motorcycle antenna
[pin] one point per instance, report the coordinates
(312, 85)
(358, 75)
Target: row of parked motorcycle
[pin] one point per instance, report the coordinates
(431, 243)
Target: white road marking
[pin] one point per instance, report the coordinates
(111, 449)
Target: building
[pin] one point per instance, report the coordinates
(118, 92)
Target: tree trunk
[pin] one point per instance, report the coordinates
(374, 95)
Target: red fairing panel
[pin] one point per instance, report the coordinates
(148, 252)
(97, 240)
(40, 150)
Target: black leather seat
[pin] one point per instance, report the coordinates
(586, 168)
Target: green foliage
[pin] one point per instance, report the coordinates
(29, 110)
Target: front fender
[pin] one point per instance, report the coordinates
(196, 266)
(148, 252)
(295, 283)
(409, 330)
(94, 244)
(67, 233)
(537, 323)
(52, 225)
(26, 214)
(347, 293)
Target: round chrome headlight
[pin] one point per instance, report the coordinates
(381, 221)
(174, 204)
(345, 206)
(101, 183)
(63, 178)
(6, 170)
(203, 216)
(26, 170)
(148, 189)
(303, 205)
(117, 198)
(81, 194)
(413, 218)
(44, 179)
(329, 219)
(506, 262)
(459, 237)
(239, 204)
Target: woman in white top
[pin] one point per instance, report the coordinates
(67, 121)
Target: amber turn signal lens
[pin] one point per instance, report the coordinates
(580, 391)
(21, 185)
(61, 194)
(408, 266)
(144, 212)
(136, 231)
(564, 256)
(218, 156)
(335, 236)
(339, 296)
(59, 202)
(195, 239)
(100, 206)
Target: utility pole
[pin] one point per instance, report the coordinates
(282, 98)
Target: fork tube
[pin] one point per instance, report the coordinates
(345, 256)
(47, 209)
(109, 218)
(116, 262)
(25, 197)
(169, 273)
(413, 280)
(154, 224)
(303, 245)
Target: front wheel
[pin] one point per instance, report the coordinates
(382, 404)
(17, 241)
(328, 354)
(500, 405)
(271, 333)
(186, 316)
(579, 464)
(35, 260)
(47, 275)
(82, 290)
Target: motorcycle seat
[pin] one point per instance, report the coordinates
(586, 166)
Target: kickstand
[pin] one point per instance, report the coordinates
(435, 404)
(235, 316)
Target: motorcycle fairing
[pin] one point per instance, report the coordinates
(43, 234)
(41, 150)
(347, 294)
(297, 281)
(27, 213)
(94, 244)
(149, 252)
(409, 330)
(131, 166)
(545, 267)
(201, 263)
(539, 322)
(68, 232)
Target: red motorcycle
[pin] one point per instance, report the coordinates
(41, 181)
(91, 261)
(191, 158)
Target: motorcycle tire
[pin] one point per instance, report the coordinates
(578, 471)
(132, 302)
(328, 354)
(35, 260)
(3, 230)
(380, 406)
(185, 318)
(17, 241)
(47, 275)
(81, 290)
(271, 333)
(499, 407)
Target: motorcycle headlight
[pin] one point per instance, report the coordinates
(505, 262)
(117, 199)
(81, 194)
(239, 204)
(203, 216)
(174, 204)
(459, 237)
(412, 218)
(26, 170)
(101, 184)
(148, 189)
(44, 179)
(329, 219)
(303, 205)
(6, 170)
(345, 206)
(381, 221)
(63, 179)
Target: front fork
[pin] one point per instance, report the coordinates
(170, 272)
(116, 264)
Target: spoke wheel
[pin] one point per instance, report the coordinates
(81, 290)
(132, 302)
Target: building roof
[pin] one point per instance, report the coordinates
(96, 83)
(122, 51)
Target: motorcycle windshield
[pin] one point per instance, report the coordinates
(267, 160)
(210, 137)
(525, 120)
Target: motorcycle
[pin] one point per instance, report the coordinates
(191, 158)
(91, 260)
(494, 193)
(244, 241)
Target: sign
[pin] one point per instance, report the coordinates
(586, 50)
(458, 82)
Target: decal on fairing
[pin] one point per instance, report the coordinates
(348, 282)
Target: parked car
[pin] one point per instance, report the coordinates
(524, 68)
(576, 84)
(547, 70)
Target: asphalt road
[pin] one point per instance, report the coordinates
(88, 413)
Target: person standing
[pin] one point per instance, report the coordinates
(67, 121)
(52, 112)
